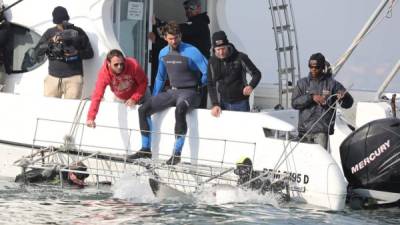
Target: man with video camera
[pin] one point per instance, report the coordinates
(66, 46)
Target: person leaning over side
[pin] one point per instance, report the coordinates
(227, 70)
(66, 45)
(182, 62)
(126, 78)
(315, 97)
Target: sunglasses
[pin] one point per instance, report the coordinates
(118, 64)
(314, 67)
(190, 8)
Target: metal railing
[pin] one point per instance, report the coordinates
(108, 164)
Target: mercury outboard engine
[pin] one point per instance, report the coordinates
(371, 162)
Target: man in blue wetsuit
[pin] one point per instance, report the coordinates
(186, 69)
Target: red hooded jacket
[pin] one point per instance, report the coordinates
(131, 83)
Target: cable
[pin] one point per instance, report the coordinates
(282, 159)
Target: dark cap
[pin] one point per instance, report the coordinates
(219, 39)
(319, 58)
(191, 4)
(60, 14)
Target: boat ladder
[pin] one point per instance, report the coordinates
(287, 51)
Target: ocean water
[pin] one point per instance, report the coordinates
(131, 202)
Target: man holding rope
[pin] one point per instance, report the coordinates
(315, 97)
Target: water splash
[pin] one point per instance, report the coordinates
(134, 189)
(227, 194)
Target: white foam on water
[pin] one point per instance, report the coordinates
(227, 194)
(137, 189)
(134, 189)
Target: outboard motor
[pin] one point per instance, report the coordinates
(371, 160)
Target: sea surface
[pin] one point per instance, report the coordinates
(131, 202)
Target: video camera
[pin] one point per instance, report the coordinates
(64, 48)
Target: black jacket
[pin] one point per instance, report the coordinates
(229, 75)
(310, 111)
(197, 33)
(6, 45)
(62, 68)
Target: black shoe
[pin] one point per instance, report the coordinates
(175, 159)
(142, 153)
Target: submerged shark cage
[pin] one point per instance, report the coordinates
(105, 164)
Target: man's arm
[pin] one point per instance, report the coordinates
(251, 69)
(141, 80)
(198, 62)
(161, 74)
(212, 84)
(345, 99)
(42, 46)
(301, 99)
(97, 95)
(212, 90)
(85, 49)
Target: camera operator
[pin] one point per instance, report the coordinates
(66, 46)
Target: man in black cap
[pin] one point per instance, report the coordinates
(196, 32)
(315, 97)
(227, 70)
(66, 46)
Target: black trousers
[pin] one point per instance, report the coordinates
(183, 99)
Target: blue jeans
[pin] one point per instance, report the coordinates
(242, 106)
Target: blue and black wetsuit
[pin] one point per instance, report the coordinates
(186, 68)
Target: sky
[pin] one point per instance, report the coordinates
(374, 57)
(322, 26)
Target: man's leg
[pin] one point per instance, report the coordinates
(52, 86)
(146, 96)
(145, 124)
(72, 87)
(187, 100)
(225, 105)
(152, 105)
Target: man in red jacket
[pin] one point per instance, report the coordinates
(127, 81)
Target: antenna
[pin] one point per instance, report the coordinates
(360, 36)
(10, 6)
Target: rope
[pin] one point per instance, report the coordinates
(286, 154)
(69, 138)
(389, 12)
(339, 63)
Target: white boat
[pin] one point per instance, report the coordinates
(27, 118)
